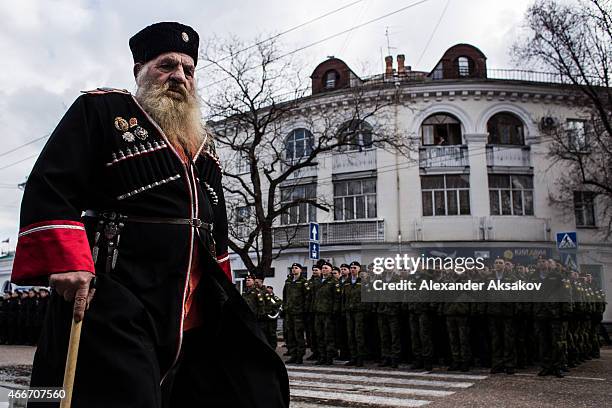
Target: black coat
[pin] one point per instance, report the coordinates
(133, 350)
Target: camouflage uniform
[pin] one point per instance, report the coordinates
(294, 298)
(326, 301)
(355, 321)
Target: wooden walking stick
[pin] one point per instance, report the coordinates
(71, 360)
(73, 347)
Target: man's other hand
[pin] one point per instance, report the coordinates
(74, 285)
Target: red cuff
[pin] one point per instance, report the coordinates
(49, 247)
(224, 263)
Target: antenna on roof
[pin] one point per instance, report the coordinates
(389, 47)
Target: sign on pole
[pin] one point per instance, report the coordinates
(313, 231)
(567, 241)
(313, 250)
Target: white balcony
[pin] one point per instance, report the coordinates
(508, 156)
(443, 156)
(349, 162)
(517, 228)
(337, 232)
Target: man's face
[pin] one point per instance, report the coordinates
(354, 270)
(499, 265)
(326, 270)
(174, 69)
(316, 272)
(296, 271)
(44, 294)
(508, 266)
(344, 270)
(31, 293)
(249, 282)
(258, 282)
(270, 290)
(336, 273)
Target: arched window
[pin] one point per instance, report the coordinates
(298, 144)
(441, 129)
(464, 66)
(505, 128)
(331, 79)
(355, 135)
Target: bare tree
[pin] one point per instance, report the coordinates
(256, 99)
(575, 41)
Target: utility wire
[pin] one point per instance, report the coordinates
(322, 40)
(20, 161)
(282, 33)
(433, 32)
(23, 145)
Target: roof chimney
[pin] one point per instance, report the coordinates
(401, 69)
(388, 66)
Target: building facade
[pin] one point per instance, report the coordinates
(477, 183)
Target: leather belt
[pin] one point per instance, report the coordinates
(114, 216)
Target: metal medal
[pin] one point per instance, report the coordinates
(133, 122)
(121, 124)
(128, 136)
(141, 133)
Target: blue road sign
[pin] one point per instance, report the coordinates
(313, 250)
(567, 240)
(569, 259)
(313, 232)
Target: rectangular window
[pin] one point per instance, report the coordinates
(577, 134)
(299, 212)
(242, 163)
(584, 208)
(446, 194)
(355, 199)
(243, 214)
(511, 194)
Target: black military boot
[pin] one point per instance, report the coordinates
(465, 367)
(351, 362)
(298, 360)
(544, 372)
(509, 370)
(418, 365)
(394, 363)
(384, 362)
(313, 357)
(320, 361)
(329, 361)
(427, 366)
(453, 367)
(359, 362)
(557, 373)
(292, 360)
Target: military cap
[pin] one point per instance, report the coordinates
(159, 38)
(296, 264)
(335, 268)
(344, 265)
(249, 276)
(327, 263)
(355, 263)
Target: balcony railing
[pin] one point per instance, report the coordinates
(443, 156)
(348, 162)
(337, 232)
(307, 171)
(508, 156)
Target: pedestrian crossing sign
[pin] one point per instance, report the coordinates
(567, 240)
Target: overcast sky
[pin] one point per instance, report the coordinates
(53, 49)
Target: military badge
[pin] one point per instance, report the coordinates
(133, 122)
(121, 124)
(128, 136)
(185, 36)
(141, 133)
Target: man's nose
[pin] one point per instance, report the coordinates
(178, 75)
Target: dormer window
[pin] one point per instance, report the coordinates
(463, 66)
(331, 79)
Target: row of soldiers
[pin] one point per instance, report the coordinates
(21, 315)
(326, 313)
(265, 305)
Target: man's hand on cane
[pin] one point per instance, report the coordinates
(75, 285)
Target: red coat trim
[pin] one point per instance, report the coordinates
(224, 262)
(49, 247)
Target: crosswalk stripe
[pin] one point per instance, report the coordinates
(379, 380)
(386, 372)
(360, 399)
(371, 388)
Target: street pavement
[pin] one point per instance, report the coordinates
(589, 385)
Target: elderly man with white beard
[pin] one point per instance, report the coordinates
(124, 217)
